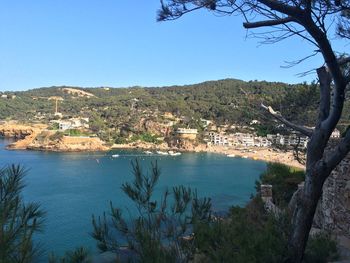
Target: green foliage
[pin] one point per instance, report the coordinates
(263, 129)
(321, 248)
(145, 137)
(56, 136)
(54, 126)
(73, 132)
(284, 181)
(228, 100)
(18, 221)
(76, 132)
(96, 123)
(79, 255)
(249, 234)
(119, 140)
(300, 104)
(157, 233)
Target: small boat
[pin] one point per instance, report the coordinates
(162, 153)
(245, 157)
(172, 153)
(148, 152)
(231, 155)
(115, 155)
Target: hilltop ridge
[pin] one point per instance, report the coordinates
(228, 100)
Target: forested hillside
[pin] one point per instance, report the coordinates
(229, 100)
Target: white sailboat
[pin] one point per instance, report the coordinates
(162, 153)
(172, 153)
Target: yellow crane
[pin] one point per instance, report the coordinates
(56, 99)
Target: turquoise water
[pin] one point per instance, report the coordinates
(72, 186)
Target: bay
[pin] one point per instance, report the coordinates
(72, 186)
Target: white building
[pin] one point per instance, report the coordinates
(73, 123)
(79, 123)
(222, 139)
(335, 133)
(254, 122)
(289, 140)
(261, 142)
(245, 139)
(218, 139)
(249, 140)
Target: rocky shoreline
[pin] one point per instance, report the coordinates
(37, 137)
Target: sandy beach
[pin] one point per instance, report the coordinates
(255, 153)
(263, 154)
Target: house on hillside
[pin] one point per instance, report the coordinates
(64, 125)
(5, 96)
(73, 123)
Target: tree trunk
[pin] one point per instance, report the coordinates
(304, 214)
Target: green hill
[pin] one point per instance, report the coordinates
(226, 101)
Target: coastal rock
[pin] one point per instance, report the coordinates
(187, 145)
(143, 145)
(50, 141)
(152, 126)
(19, 131)
(36, 137)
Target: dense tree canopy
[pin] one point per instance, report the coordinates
(222, 101)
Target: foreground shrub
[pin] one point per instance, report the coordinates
(181, 228)
(18, 221)
(161, 231)
(79, 255)
(321, 248)
(249, 234)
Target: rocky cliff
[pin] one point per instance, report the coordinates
(50, 141)
(37, 137)
(19, 131)
(333, 211)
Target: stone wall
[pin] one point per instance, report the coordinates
(266, 192)
(333, 211)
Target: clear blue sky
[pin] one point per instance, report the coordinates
(119, 43)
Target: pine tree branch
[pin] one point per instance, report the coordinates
(282, 7)
(276, 22)
(303, 130)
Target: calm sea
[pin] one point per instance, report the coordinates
(72, 186)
